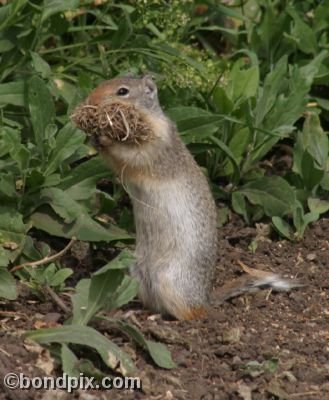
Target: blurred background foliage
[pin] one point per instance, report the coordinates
(246, 82)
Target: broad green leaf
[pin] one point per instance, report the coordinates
(292, 96)
(123, 261)
(222, 146)
(282, 227)
(60, 276)
(12, 93)
(125, 292)
(12, 232)
(160, 354)
(76, 218)
(4, 257)
(274, 194)
(311, 175)
(238, 145)
(303, 33)
(302, 220)
(42, 110)
(68, 141)
(7, 185)
(40, 65)
(243, 82)
(229, 11)
(10, 13)
(52, 7)
(321, 16)
(239, 205)
(10, 139)
(80, 300)
(91, 170)
(158, 351)
(101, 287)
(178, 114)
(62, 204)
(7, 285)
(272, 87)
(82, 335)
(108, 288)
(69, 361)
(88, 229)
(221, 101)
(315, 140)
(194, 123)
(318, 206)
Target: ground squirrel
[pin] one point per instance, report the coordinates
(174, 211)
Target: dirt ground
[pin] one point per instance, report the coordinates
(255, 347)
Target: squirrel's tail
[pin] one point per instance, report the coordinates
(253, 281)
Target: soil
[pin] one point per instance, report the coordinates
(255, 347)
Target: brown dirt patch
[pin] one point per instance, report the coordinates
(260, 346)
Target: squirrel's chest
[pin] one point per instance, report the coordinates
(158, 201)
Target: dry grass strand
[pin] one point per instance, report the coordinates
(120, 122)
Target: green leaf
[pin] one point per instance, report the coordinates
(282, 227)
(69, 361)
(60, 276)
(82, 335)
(194, 123)
(230, 155)
(68, 141)
(274, 194)
(301, 220)
(303, 33)
(89, 171)
(52, 7)
(108, 288)
(83, 229)
(271, 88)
(80, 300)
(101, 287)
(318, 206)
(12, 232)
(311, 175)
(12, 93)
(4, 257)
(315, 140)
(7, 285)
(238, 145)
(243, 82)
(123, 261)
(76, 218)
(42, 110)
(125, 292)
(7, 185)
(21, 154)
(158, 351)
(40, 65)
(10, 139)
(239, 205)
(321, 16)
(221, 101)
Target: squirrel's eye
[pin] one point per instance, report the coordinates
(122, 91)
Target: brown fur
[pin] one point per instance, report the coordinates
(175, 214)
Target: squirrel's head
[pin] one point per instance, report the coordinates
(138, 91)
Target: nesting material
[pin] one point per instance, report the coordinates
(117, 121)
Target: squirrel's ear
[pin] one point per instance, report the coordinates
(149, 86)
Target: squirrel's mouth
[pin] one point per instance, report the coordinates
(115, 121)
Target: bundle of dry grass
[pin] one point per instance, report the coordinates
(117, 121)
